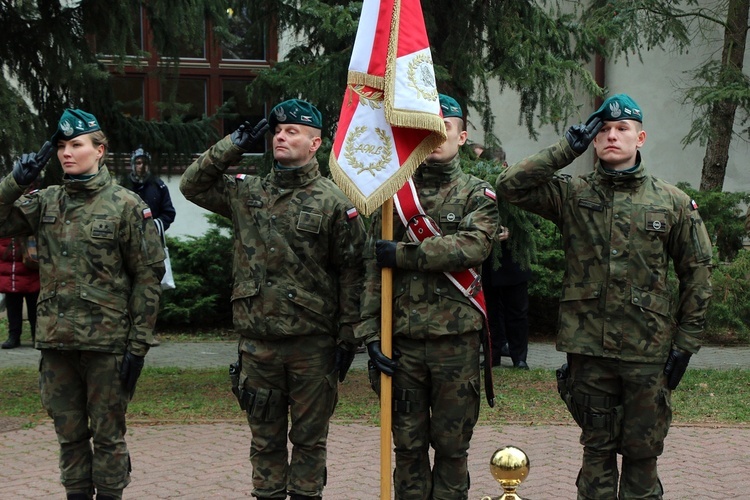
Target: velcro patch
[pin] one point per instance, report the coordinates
(352, 213)
(309, 222)
(103, 229)
(656, 221)
(147, 213)
(490, 194)
(591, 205)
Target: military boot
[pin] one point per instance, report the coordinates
(295, 496)
(14, 340)
(78, 496)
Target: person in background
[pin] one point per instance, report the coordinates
(626, 350)
(506, 288)
(19, 281)
(150, 188)
(297, 280)
(437, 327)
(100, 267)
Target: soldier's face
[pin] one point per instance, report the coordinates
(456, 137)
(79, 156)
(617, 143)
(294, 145)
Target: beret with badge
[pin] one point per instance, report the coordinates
(74, 122)
(618, 107)
(295, 111)
(450, 107)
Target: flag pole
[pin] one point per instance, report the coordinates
(386, 334)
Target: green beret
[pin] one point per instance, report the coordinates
(74, 122)
(618, 107)
(450, 107)
(295, 111)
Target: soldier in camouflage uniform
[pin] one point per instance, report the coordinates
(436, 328)
(100, 266)
(297, 279)
(628, 344)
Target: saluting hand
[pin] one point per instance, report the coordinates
(27, 168)
(580, 136)
(247, 135)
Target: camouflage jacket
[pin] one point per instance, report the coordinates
(426, 304)
(100, 263)
(619, 233)
(297, 246)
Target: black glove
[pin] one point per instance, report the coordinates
(580, 136)
(247, 135)
(385, 253)
(677, 363)
(130, 371)
(27, 168)
(382, 362)
(344, 358)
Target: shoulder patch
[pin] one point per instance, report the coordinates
(490, 194)
(352, 213)
(694, 205)
(240, 177)
(147, 213)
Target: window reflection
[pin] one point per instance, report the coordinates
(248, 40)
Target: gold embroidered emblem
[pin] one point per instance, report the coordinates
(371, 98)
(383, 151)
(421, 78)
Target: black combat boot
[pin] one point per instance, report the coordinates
(78, 496)
(295, 496)
(14, 340)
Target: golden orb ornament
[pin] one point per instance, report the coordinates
(510, 467)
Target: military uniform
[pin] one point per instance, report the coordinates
(100, 265)
(436, 328)
(297, 280)
(620, 229)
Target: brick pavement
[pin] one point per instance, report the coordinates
(210, 460)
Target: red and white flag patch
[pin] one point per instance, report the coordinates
(240, 177)
(147, 213)
(490, 194)
(694, 204)
(352, 213)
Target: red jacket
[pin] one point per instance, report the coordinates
(15, 277)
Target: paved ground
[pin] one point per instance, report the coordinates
(210, 460)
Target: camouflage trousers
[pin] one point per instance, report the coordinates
(622, 407)
(297, 379)
(435, 402)
(82, 392)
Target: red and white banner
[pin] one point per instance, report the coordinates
(390, 118)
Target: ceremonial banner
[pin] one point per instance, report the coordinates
(390, 117)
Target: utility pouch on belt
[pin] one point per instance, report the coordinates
(563, 388)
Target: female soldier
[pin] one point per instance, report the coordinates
(100, 266)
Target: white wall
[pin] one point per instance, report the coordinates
(190, 219)
(655, 85)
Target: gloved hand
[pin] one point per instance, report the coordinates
(385, 253)
(580, 136)
(247, 135)
(344, 358)
(383, 363)
(677, 363)
(130, 371)
(27, 168)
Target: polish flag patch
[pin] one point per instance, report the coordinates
(694, 204)
(352, 213)
(147, 213)
(490, 194)
(240, 177)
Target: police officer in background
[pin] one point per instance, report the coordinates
(150, 188)
(297, 280)
(100, 267)
(626, 350)
(436, 327)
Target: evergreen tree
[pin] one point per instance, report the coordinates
(48, 52)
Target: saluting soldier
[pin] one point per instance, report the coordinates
(100, 268)
(297, 278)
(628, 343)
(436, 325)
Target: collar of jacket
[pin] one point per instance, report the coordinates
(296, 177)
(622, 180)
(438, 173)
(97, 182)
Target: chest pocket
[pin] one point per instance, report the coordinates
(309, 220)
(451, 215)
